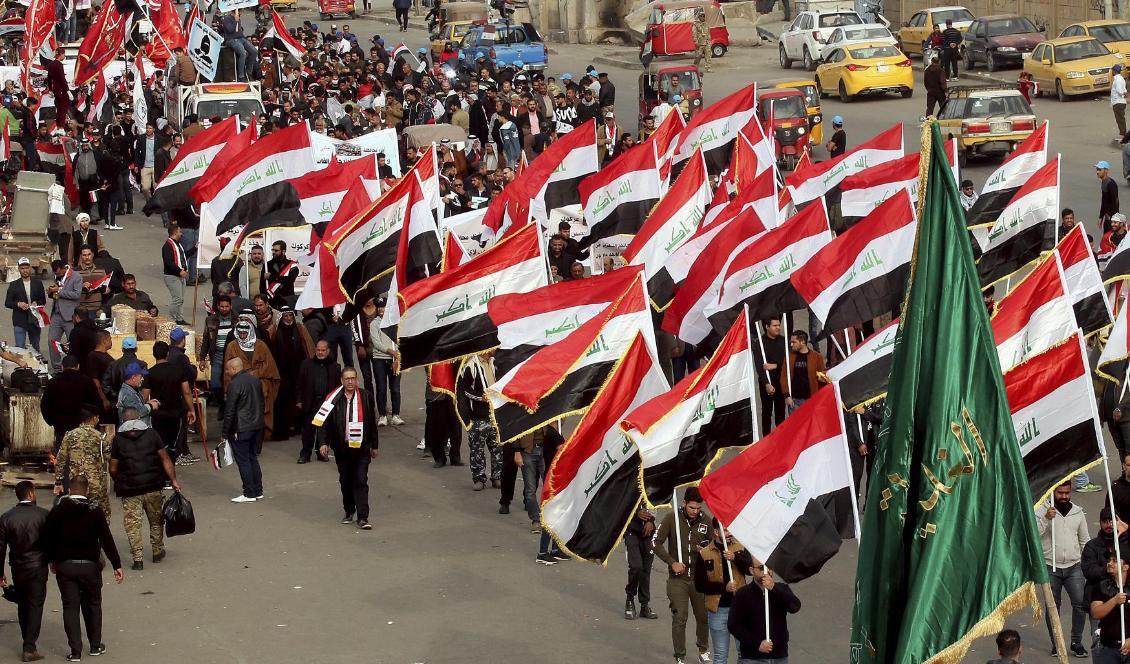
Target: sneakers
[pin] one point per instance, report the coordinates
(303, 460)
(364, 524)
(31, 656)
(189, 458)
(646, 612)
(397, 420)
(630, 609)
(535, 527)
(422, 445)
(182, 461)
(704, 657)
(74, 657)
(478, 486)
(1090, 487)
(115, 227)
(137, 566)
(1078, 650)
(382, 421)
(260, 497)
(347, 519)
(560, 556)
(439, 464)
(545, 559)
(242, 499)
(97, 650)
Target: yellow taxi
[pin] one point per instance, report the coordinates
(285, 5)
(869, 68)
(921, 24)
(1071, 66)
(1113, 33)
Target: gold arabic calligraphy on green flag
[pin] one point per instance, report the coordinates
(949, 543)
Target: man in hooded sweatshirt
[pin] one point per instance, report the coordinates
(140, 466)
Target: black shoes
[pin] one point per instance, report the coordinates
(630, 609)
(364, 523)
(457, 462)
(1078, 650)
(504, 509)
(302, 460)
(646, 612)
(97, 650)
(137, 566)
(158, 557)
(560, 556)
(74, 657)
(347, 519)
(439, 464)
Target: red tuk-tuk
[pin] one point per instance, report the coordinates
(672, 79)
(784, 108)
(669, 28)
(337, 9)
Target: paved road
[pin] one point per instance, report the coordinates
(441, 577)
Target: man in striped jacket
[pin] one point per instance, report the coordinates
(176, 271)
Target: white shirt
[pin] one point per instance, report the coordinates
(1117, 90)
(660, 112)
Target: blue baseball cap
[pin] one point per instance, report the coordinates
(1103, 164)
(135, 369)
(566, 76)
(837, 120)
(177, 334)
(129, 343)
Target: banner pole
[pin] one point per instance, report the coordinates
(678, 538)
(753, 410)
(765, 596)
(726, 549)
(1057, 629)
(788, 369)
(847, 460)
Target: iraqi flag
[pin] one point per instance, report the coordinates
(1051, 398)
(553, 179)
(592, 487)
(773, 496)
(322, 288)
(665, 139)
(527, 322)
(686, 317)
(359, 196)
(367, 253)
(413, 264)
(863, 376)
(1117, 346)
(97, 101)
(762, 193)
(255, 185)
(1002, 185)
(759, 277)
(192, 161)
(1025, 228)
(50, 152)
(862, 273)
(663, 285)
(813, 181)
(1084, 283)
(681, 433)
(444, 317)
(617, 199)
(283, 37)
(714, 129)
(673, 221)
(563, 378)
(320, 192)
(1118, 265)
(1034, 316)
(40, 316)
(864, 191)
(753, 153)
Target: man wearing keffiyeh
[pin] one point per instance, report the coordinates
(260, 363)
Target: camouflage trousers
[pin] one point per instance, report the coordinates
(702, 54)
(480, 439)
(150, 504)
(101, 497)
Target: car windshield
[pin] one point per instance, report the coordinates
(781, 108)
(868, 52)
(836, 20)
(688, 80)
(1079, 50)
(1111, 33)
(859, 34)
(955, 15)
(1011, 26)
(983, 107)
(246, 109)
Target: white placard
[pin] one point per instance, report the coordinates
(204, 48)
(232, 5)
(371, 143)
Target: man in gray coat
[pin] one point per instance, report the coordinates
(66, 293)
(243, 427)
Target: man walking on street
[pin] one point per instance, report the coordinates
(951, 41)
(676, 547)
(351, 432)
(21, 529)
(1064, 562)
(243, 427)
(317, 377)
(637, 545)
(66, 292)
(1108, 198)
(140, 466)
(75, 532)
(935, 81)
(720, 570)
(747, 618)
(1118, 99)
(83, 453)
(176, 271)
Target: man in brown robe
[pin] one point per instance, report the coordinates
(291, 345)
(260, 363)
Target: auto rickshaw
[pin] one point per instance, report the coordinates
(669, 28)
(785, 109)
(330, 9)
(673, 79)
(807, 87)
(456, 18)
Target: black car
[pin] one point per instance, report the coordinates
(1000, 40)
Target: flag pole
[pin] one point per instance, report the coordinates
(847, 459)
(788, 370)
(678, 538)
(753, 376)
(761, 345)
(765, 596)
(726, 549)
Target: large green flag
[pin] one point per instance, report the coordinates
(949, 544)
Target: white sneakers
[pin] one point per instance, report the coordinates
(242, 499)
(382, 421)
(397, 420)
(422, 445)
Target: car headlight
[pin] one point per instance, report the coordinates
(1006, 49)
(698, 102)
(816, 119)
(800, 131)
(1074, 74)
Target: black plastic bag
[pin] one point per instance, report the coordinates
(177, 512)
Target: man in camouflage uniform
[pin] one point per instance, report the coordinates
(83, 452)
(140, 466)
(701, 41)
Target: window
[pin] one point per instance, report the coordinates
(954, 108)
(983, 107)
(1072, 31)
(1040, 53)
(1080, 50)
(956, 15)
(833, 20)
(918, 20)
(806, 24)
(1011, 26)
(1110, 33)
(797, 24)
(837, 35)
(868, 52)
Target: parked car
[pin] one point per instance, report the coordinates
(1071, 66)
(999, 40)
(865, 69)
(804, 39)
(1113, 33)
(987, 121)
(458, 17)
(921, 24)
(506, 45)
(858, 34)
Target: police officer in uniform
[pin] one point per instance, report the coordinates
(84, 452)
(701, 35)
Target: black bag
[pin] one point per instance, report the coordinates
(24, 381)
(177, 512)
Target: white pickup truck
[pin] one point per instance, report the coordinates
(209, 100)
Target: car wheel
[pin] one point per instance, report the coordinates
(1059, 91)
(809, 65)
(902, 47)
(820, 91)
(968, 60)
(907, 93)
(785, 61)
(717, 50)
(844, 96)
(990, 62)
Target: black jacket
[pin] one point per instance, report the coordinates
(140, 469)
(334, 428)
(1120, 493)
(173, 258)
(243, 405)
(316, 379)
(1097, 552)
(64, 396)
(75, 530)
(17, 294)
(21, 531)
(747, 620)
(951, 36)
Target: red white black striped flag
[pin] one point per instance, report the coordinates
(1084, 283)
(616, 200)
(1002, 185)
(1034, 316)
(1025, 228)
(816, 179)
(863, 376)
(864, 191)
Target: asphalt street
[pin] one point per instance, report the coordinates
(442, 578)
